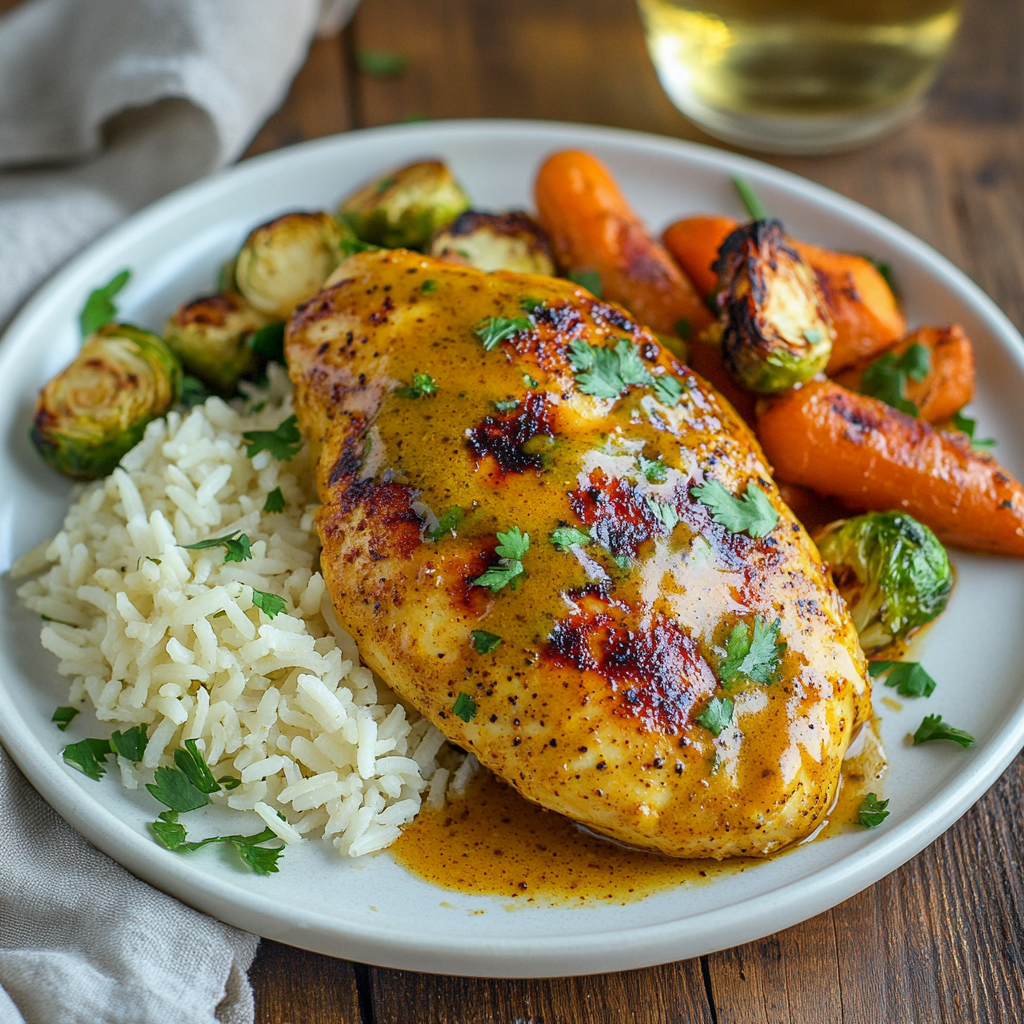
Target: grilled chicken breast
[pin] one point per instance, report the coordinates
(671, 682)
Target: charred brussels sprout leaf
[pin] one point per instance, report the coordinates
(892, 572)
(776, 328)
(495, 241)
(404, 208)
(97, 410)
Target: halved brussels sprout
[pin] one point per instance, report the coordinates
(777, 330)
(97, 409)
(404, 208)
(893, 574)
(211, 338)
(285, 263)
(495, 241)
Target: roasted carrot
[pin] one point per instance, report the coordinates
(949, 383)
(864, 310)
(694, 243)
(593, 229)
(811, 509)
(870, 456)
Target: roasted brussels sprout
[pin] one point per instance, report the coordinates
(97, 409)
(776, 328)
(495, 241)
(285, 262)
(211, 338)
(892, 572)
(404, 208)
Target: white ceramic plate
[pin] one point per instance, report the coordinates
(373, 910)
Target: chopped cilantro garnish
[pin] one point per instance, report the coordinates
(464, 707)
(193, 391)
(606, 372)
(717, 715)
(275, 501)
(88, 756)
(683, 329)
(130, 744)
(886, 378)
(966, 426)
(511, 548)
(752, 514)
(282, 443)
(589, 279)
(236, 546)
(262, 859)
(667, 390)
(908, 677)
(514, 544)
(529, 303)
(654, 470)
(269, 342)
(872, 811)
(933, 728)
(622, 561)
(423, 386)
(447, 523)
(271, 604)
(506, 405)
(752, 655)
(497, 329)
(429, 286)
(566, 536)
(484, 642)
(382, 64)
(530, 382)
(64, 716)
(193, 766)
(664, 513)
(99, 308)
(751, 200)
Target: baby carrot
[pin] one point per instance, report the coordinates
(694, 243)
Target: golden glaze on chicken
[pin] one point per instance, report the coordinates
(610, 650)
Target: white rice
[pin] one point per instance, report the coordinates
(150, 633)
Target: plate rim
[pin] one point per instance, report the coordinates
(515, 957)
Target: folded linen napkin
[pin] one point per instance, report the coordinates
(142, 96)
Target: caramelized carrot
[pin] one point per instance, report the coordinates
(694, 243)
(593, 228)
(870, 456)
(949, 385)
(864, 310)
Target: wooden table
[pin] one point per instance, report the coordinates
(941, 938)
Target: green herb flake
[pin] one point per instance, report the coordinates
(271, 604)
(512, 547)
(173, 788)
(886, 378)
(64, 717)
(496, 329)
(566, 537)
(751, 200)
(447, 523)
(907, 677)
(130, 744)
(933, 728)
(382, 63)
(753, 655)
(282, 443)
(530, 382)
(268, 342)
(484, 642)
(664, 513)
(654, 470)
(429, 286)
(684, 329)
(229, 782)
(506, 405)
(529, 303)
(589, 279)
(262, 859)
(668, 390)
(872, 811)
(236, 546)
(752, 514)
(193, 391)
(606, 372)
(193, 766)
(717, 715)
(966, 426)
(622, 561)
(464, 707)
(423, 386)
(275, 501)
(99, 308)
(88, 756)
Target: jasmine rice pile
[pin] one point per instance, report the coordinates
(152, 633)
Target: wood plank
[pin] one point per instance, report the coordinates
(292, 986)
(672, 994)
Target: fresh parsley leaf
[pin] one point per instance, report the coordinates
(464, 707)
(423, 386)
(966, 426)
(529, 303)
(622, 561)
(429, 286)
(447, 523)
(88, 756)
(632, 368)
(566, 536)
(530, 382)
(684, 329)
(933, 728)
(99, 308)
(752, 655)
(229, 782)
(497, 577)
(268, 342)
(654, 470)
(192, 764)
(271, 604)
(605, 372)
(668, 390)
(236, 546)
(497, 329)
(717, 715)
(589, 279)
(872, 811)
(665, 514)
(193, 391)
(908, 677)
(64, 716)
(513, 544)
(752, 514)
(130, 744)
(174, 789)
(886, 378)
(282, 443)
(262, 859)
(275, 501)
(484, 642)
(751, 200)
(382, 64)
(506, 405)
(171, 834)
